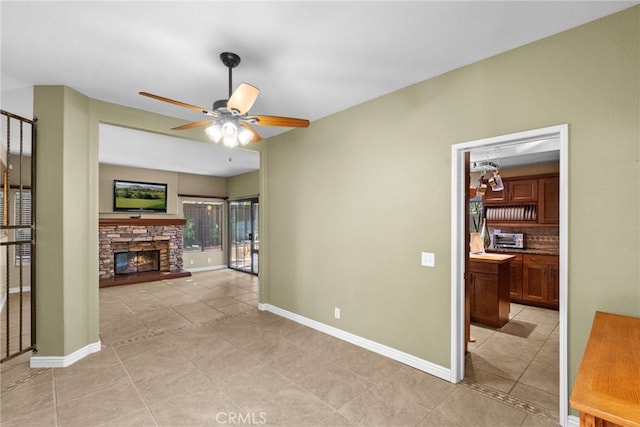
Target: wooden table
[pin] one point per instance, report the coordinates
(607, 388)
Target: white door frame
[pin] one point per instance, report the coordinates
(458, 212)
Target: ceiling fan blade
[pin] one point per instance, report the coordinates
(288, 122)
(243, 98)
(255, 137)
(178, 103)
(193, 125)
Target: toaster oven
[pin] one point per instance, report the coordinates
(508, 240)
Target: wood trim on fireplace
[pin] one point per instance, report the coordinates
(141, 221)
(150, 276)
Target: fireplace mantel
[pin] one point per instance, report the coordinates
(141, 221)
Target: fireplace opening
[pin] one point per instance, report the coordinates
(136, 261)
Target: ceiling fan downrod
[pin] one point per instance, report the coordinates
(231, 61)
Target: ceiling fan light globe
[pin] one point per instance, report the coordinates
(230, 141)
(244, 135)
(214, 132)
(230, 134)
(229, 129)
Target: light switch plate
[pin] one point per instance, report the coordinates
(428, 259)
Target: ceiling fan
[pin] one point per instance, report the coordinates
(230, 122)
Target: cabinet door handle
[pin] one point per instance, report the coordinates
(471, 278)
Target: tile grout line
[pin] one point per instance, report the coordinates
(531, 361)
(507, 397)
(25, 378)
(146, 404)
(55, 397)
(510, 400)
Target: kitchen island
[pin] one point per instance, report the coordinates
(488, 288)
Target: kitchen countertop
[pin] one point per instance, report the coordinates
(489, 257)
(525, 251)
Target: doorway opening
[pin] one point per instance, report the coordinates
(244, 243)
(460, 252)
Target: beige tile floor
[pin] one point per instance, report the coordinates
(17, 306)
(520, 359)
(196, 351)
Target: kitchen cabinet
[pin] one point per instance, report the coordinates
(515, 191)
(515, 291)
(530, 201)
(549, 200)
(489, 283)
(541, 280)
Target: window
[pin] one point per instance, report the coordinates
(22, 216)
(203, 230)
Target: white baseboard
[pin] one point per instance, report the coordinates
(392, 353)
(12, 291)
(64, 361)
(207, 268)
(573, 421)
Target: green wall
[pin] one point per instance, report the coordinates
(243, 186)
(67, 248)
(355, 198)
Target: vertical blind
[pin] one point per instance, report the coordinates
(203, 229)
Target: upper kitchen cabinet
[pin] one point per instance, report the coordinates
(516, 191)
(531, 200)
(549, 201)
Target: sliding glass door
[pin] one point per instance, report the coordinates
(244, 243)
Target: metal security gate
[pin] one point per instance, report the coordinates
(17, 235)
(244, 244)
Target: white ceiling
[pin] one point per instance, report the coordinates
(310, 59)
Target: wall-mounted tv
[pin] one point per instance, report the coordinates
(132, 196)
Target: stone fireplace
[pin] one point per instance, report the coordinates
(134, 250)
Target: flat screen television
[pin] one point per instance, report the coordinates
(133, 196)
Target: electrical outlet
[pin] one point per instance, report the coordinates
(336, 313)
(191, 261)
(428, 259)
(209, 260)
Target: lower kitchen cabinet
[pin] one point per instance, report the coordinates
(535, 280)
(515, 292)
(541, 280)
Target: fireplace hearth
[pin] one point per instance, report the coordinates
(132, 262)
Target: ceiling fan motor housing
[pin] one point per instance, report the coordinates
(220, 103)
